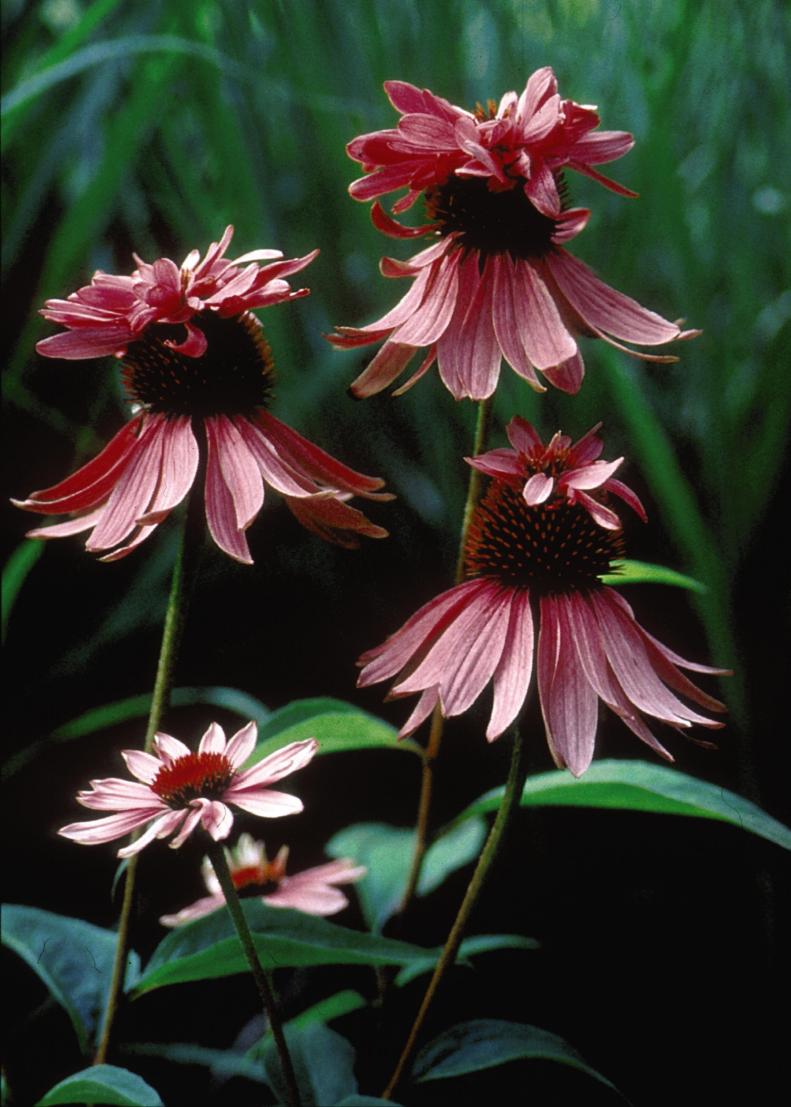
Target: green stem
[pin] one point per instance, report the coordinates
(181, 580)
(438, 719)
(261, 977)
(513, 791)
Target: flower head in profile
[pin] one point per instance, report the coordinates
(176, 789)
(496, 281)
(314, 891)
(199, 373)
(539, 543)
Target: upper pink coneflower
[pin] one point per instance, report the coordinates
(177, 789)
(497, 282)
(313, 890)
(199, 373)
(539, 542)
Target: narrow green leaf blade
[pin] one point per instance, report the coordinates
(641, 786)
(484, 1043)
(103, 1084)
(73, 958)
(643, 572)
(209, 948)
(15, 572)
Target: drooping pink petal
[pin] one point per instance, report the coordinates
(448, 651)
(568, 702)
(429, 321)
(240, 470)
(605, 308)
(72, 526)
(512, 675)
(568, 375)
(180, 456)
(332, 519)
(507, 317)
(388, 364)
(221, 511)
(392, 655)
(89, 484)
(547, 339)
(468, 353)
(315, 899)
(134, 489)
(317, 463)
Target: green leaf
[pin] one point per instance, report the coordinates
(484, 1043)
(328, 1009)
(209, 948)
(73, 958)
(222, 1062)
(640, 786)
(138, 707)
(643, 572)
(450, 852)
(479, 943)
(15, 572)
(323, 1065)
(387, 851)
(337, 726)
(103, 1084)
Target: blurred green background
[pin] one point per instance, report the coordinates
(149, 126)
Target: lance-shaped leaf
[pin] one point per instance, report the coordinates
(336, 725)
(103, 1084)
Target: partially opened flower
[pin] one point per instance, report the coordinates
(540, 540)
(176, 789)
(314, 891)
(496, 282)
(199, 373)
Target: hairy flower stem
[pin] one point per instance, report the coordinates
(180, 588)
(510, 802)
(438, 719)
(261, 977)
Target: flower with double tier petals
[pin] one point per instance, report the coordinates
(539, 543)
(314, 891)
(176, 789)
(496, 281)
(199, 373)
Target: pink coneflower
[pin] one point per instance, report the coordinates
(539, 542)
(314, 890)
(200, 398)
(178, 789)
(496, 282)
